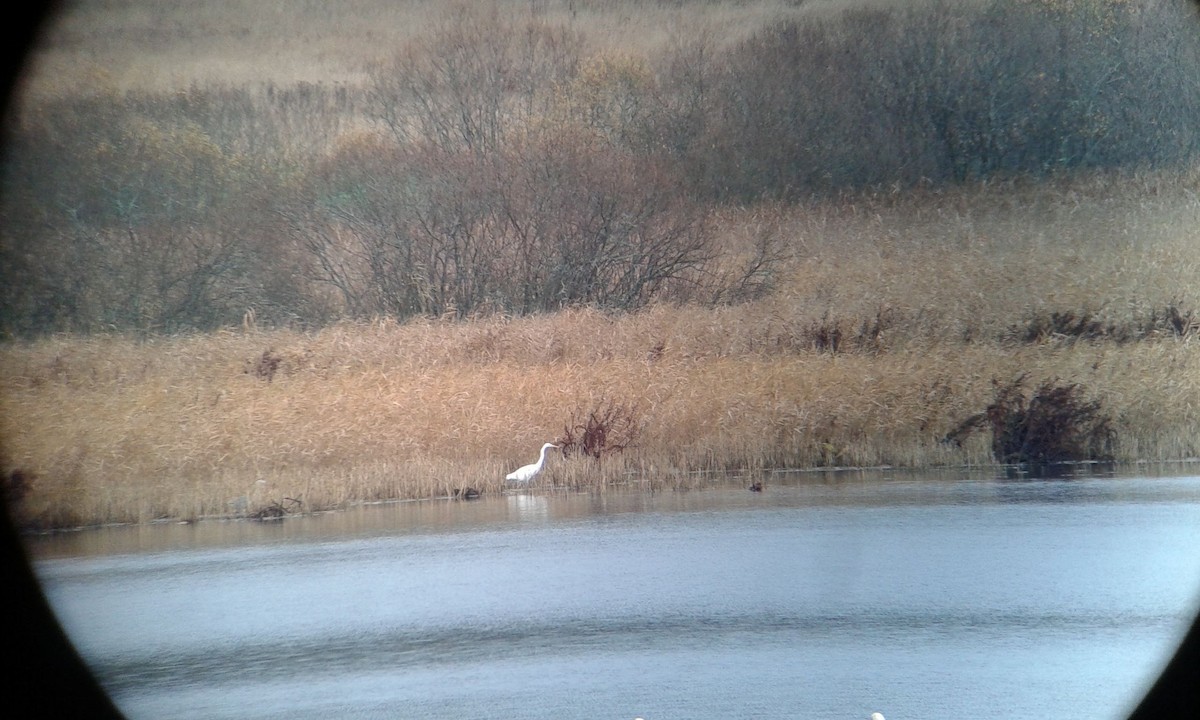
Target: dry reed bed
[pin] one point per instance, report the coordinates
(118, 430)
(931, 295)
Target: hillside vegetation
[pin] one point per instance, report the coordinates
(525, 157)
(682, 237)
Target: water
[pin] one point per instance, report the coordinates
(822, 597)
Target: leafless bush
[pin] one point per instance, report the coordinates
(277, 509)
(475, 78)
(552, 221)
(1053, 425)
(609, 427)
(594, 226)
(265, 366)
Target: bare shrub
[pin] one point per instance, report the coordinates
(609, 427)
(277, 509)
(1055, 424)
(474, 78)
(554, 220)
(612, 95)
(754, 249)
(265, 366)
(597, 226)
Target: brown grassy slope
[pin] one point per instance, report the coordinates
(932, 296)
(157, 45)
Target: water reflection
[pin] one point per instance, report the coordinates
(528, 508)
(849, 488)
(924, 596)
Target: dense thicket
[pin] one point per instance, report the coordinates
(491, 166)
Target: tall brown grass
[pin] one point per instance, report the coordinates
(927, 293)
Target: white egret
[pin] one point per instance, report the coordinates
(528, 472)
(876, 716)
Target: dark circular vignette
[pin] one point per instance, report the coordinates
(43, 676)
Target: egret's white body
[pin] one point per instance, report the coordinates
(528, 472)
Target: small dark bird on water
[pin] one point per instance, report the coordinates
(756, 486)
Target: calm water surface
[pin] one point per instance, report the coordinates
(826, 596)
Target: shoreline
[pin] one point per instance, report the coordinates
(1125, 468)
